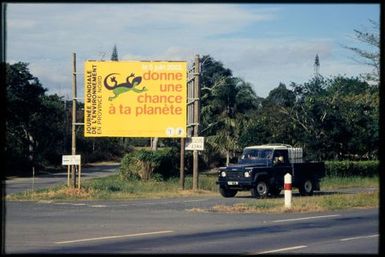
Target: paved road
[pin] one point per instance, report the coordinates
(45, 180)
(171, 226)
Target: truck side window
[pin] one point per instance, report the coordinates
(280, 157)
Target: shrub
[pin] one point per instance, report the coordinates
(147, 164)
(352, 168)
(130, 167)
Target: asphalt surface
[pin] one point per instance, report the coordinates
(175, 226)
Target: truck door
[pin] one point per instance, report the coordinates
(281, 165)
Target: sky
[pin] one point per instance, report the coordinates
(264, 44)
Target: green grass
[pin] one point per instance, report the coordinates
(113, 187)
(334, 183)
(357, 200)
(304, 204)
(316, 203)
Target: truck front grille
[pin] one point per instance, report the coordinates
(234, 175)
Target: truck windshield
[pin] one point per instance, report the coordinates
(256, 155)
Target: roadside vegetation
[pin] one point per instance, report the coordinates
(341, 183)
(316, 203)
(116, 188)
(332, 196)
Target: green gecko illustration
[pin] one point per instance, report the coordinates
(121, 88)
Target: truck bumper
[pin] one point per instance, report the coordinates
(239, 184)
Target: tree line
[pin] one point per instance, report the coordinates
(331, 118)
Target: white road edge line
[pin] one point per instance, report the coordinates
(308, 218)
(284, 249)
(113, 237)
(196, 200)
(358, 237)
(166, 202)
(73, 204)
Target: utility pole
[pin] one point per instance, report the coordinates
(73, 152)
(196, 121)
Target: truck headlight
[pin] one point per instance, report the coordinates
(247, 174)
(223, 174)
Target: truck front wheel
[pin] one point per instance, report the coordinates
(307, 187)
(227, 192)
(260, 190)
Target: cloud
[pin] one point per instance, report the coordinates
(134, 25)
(46, 35)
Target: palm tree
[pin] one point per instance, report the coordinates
(231, 100)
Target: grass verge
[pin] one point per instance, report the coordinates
(303, 204)
(113, 187)
(334, 183)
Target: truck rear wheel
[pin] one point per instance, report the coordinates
(307, 187)
(260, 190)
(227, 192)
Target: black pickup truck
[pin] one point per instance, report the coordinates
(261, 169)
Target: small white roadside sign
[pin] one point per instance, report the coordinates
(71, 159)
(195, 143)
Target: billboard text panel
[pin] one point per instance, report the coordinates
(135, 99)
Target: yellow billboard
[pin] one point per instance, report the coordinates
(135, 99)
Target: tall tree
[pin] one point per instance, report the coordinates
(370, 53)
(308, 114)
(24, 102)
(52, 120)
(213, 75)
(114, 55)
(281, 96)
(274, 112)
(226, 101)
(352, 122)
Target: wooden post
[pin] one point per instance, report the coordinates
(196, 121)
(74, 116)
(68, 175)
(181, 167)
(33, 178)
(80, 172)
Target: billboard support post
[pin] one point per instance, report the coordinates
(193, 115)
(73, 145)
(196, 121)
(181, 168)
